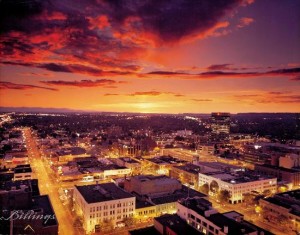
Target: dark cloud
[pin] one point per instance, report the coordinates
(172, 20)
(82, 83)
(93, 36)
(276, 93)
(56, 67)
(13, 14)
(111, 94)
(15, 86)
(293, 73)
(219, 67)
(165, 73)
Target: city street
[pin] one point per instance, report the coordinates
(49, 186)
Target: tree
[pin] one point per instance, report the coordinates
(214, 186)
(249, 198)
(266, 192)
(224, 196)
(204, 188)
(106, 225)
(129, 221)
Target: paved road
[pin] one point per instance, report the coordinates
(48, 186)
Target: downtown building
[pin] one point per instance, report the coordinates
(157, 195)
(200, 214)
(236, 180)
(24, 211)
(196, 216)
(237, 184)
(102, 203)
(220, 127)
(283, 209)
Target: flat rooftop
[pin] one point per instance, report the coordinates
(233, 215)
(20, 170)
(44, 203)
(289, 200)
(144, 178)
(219, 165)
(292, 170)
(145, 231)
(178, 225)
(199, 205)
(128, 160)
(32, 186)
(190, 168)
(185, 192)
(102, 192)
(233, 227)
(142, 204)
(163, 160)
(237, 178)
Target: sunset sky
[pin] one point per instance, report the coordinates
(172, 56)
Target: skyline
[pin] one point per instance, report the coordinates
(151, 57)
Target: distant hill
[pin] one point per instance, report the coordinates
(38, 110)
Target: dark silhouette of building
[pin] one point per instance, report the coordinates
(220, 127)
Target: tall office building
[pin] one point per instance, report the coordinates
(220, 126)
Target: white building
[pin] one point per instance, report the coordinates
(199, 214)
(237, 185)
(101, 203)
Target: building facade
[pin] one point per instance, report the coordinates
(236, 185)
(220, 126)
(103, 203)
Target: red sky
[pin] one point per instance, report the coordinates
(151, 56)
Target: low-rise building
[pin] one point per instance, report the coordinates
(130, 163)
(32, 212)
(181, 154)
(237, 184)
(200, 214)
(188, 174)
(283, 209)
(288, 176)
(40, 218)
(151, 185)
(163, 164)
(161, 192)
(23, 172)
(100, 203)
(206, 149)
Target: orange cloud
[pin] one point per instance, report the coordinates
(245, 21)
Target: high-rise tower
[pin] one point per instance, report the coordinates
(220, 126)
